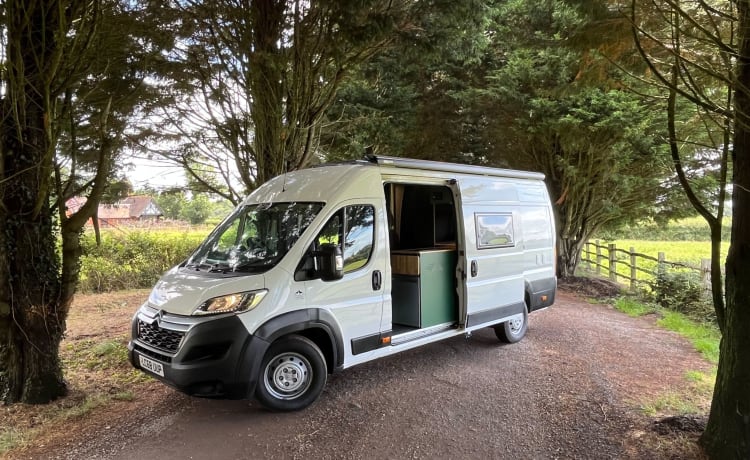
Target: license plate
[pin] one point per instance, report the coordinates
(151, 365)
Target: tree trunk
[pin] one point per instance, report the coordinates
(568, 256)
(266, 86)
(727, 433)
(717, 277)
(32, 315)
(32, 318)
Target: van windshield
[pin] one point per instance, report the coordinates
(254, 238)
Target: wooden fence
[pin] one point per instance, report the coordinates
(609, 260)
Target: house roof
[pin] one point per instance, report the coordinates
(114, 211)
(131, 207)
(142, 205)
(74, 204)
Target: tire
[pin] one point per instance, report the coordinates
(293, 374)
(514, 329)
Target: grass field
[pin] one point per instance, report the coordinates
(689, 229)
(687, 253)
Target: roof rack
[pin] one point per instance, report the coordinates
(410, 163)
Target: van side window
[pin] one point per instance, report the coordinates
(360, 232)
(355, 226)
(331, 232)
(494, 230)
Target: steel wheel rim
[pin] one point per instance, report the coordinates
(288, 376)
(515, 325)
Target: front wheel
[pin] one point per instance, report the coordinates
(294, 374)
(514, 329)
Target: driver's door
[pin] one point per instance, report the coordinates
(356, 300)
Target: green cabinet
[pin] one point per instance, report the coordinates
(424, 287)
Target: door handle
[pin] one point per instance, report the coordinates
(474, 268)
(377, 280)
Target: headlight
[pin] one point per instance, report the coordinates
(242, 301)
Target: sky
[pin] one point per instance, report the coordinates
(156, 174)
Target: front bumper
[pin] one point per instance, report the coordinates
(211, 357)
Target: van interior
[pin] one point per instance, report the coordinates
(422, 226)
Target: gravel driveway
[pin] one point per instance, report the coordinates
(570, 389)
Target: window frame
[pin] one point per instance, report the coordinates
(346, 229)
(477, 227)
(301, 275)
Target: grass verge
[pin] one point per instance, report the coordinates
(96, 369)
(704, 337)
(632, 307)
(699, 384)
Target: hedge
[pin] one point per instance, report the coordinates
(132, 259)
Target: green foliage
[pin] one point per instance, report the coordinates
(132, 260)
(702, 381)
(93, 355)
(632, 307)
(600, 147)
(677, 288)
(409, 100)
(171, 204)
(11, 438)
(683, 292)
(255, 79)
(672, 403)
(124, 396)
(197, 210)
(688, 253)
(705, 337)
(501, 84)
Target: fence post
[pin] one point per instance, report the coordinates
(598, 258)
(613, 262)
(706, 275)
(633, 272)
(660, 264)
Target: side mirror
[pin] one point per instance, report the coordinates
(331, 262)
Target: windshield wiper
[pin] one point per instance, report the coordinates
(220, 268)
(211, 268)
(198, 266)
(255, 265)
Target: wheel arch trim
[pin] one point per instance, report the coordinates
(301, 320)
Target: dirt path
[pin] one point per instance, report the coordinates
(570, 389)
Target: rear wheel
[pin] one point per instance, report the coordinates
(514, 329)
(293, 374)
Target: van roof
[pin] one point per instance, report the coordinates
(363, 177)
(320, 184)
(427, 165)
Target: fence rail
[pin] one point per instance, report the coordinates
(607, 259)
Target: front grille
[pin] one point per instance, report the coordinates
(152, 354)
(163, 339)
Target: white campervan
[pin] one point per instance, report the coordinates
(328, 267)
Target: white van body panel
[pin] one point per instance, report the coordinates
(503, 271)
(356, 307)
(181, 292)
(495, 229)
(330, 185)
(351, 300)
